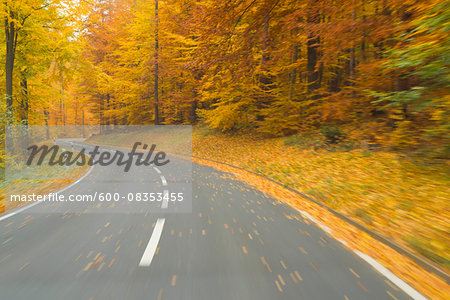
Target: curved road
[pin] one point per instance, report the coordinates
(237, 243)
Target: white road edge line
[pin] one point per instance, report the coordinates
(149, 252)
(323, 227)
(389, 275)
(375, 264)
(342, 242)
(305, 214)
(15, 212)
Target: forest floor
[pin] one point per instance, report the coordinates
(402, 199)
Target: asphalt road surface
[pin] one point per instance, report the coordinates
(236, 243)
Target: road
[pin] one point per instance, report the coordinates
(237, 243)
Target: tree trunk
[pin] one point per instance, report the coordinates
(364, 35)
(76, 112)
(293, 75)
(352, 62)
(403, 83)
(156, 55)
(82, 116)
(46, 123)
(312, 51)
(265, 42)
(264, 80)
(24, 114)
(24, 102)
(11, 41)
(63, 106)
(107, 117)
(102, 123)
(193, 115)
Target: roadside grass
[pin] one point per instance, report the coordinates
(40, 180)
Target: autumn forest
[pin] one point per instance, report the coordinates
(373, 71)
(346, 101)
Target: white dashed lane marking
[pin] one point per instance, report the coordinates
(149, 252)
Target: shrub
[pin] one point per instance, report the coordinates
(332, 134)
